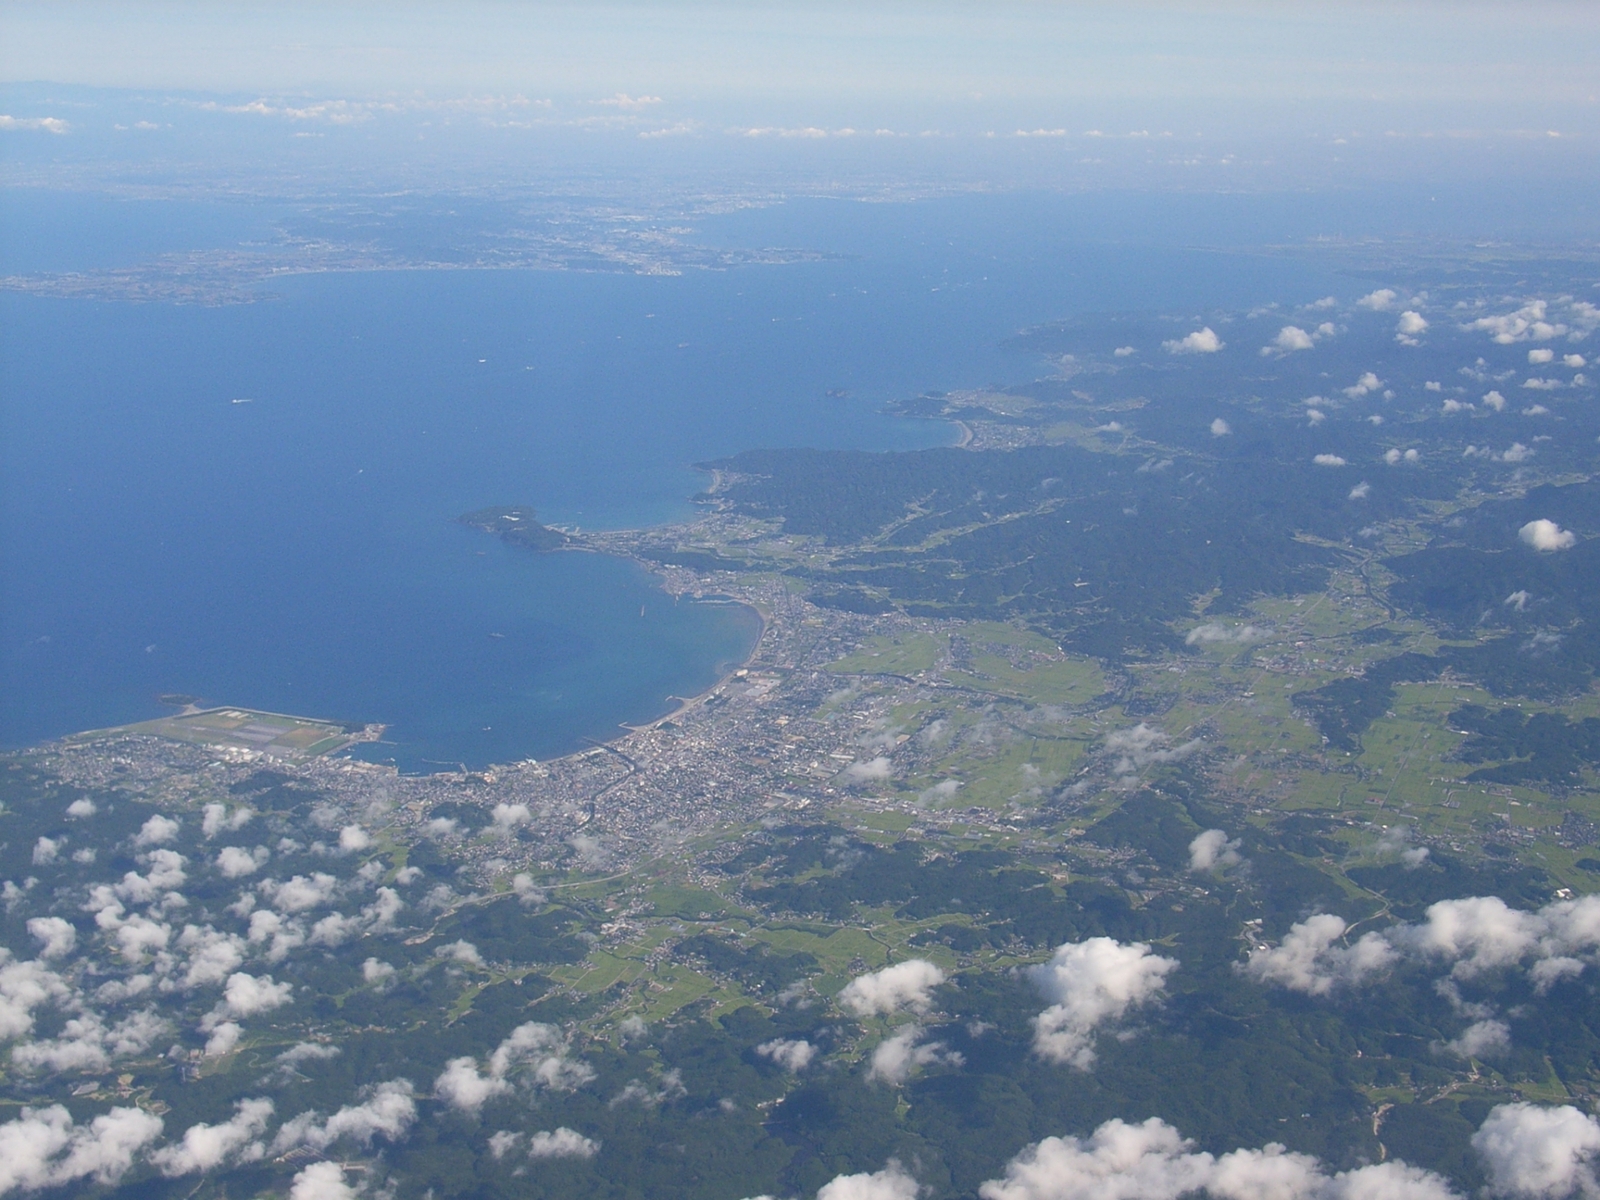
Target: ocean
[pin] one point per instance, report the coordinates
(254, 504)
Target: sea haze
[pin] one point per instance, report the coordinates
(254, 503)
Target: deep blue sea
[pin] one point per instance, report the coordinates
(298, 553)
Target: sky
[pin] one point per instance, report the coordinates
(1241, 94)
(1485, 62)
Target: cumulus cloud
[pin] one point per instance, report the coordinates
(1481, 1039)
(87, 1044)
(906, 985)
(1528, 323)
(462, 1086)
(1310, 960)
(1361, 491)
(1152, 1161)
(1220, 428)
(25, 986)
(46, 850)
(235, 862)
(1409, 327)
(1328, 460)
(538, 1051)
(216, 819)
(1212, 849)
(1201, 341)
(387, 1111)
(1516, 453)
(561, 1143)
(321, 1181)
(353, 838)
(871, 771)
(1124, 351)
(374, 970)
(896, 1057)
(157, 831)
(56, 936)
(1141, 746)
(1545, 534)
(1538, 1153)
(36, 124)
(300, 894)
(891, 1183)
(1290, 338)
(1381, 300)
(1495, 401)
(1092, 983)
(43, 1148)
(207, 1147)
(1472, 935)
(510, 816)
(792, 1054)
(1368, 383)
(1541, 356)
(85, 807)
(1211, 633)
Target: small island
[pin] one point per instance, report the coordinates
(516, 524)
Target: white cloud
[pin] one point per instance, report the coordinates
(792, 1054)
(1575, 361)
(321, 1181)
(300, 893)
(157, 831)
(1141, 745)
(215, 819)
(891, 1183)
(1515, 454)
(373, 970)
(46, 850)
(1212, 849)
(1152, 1161)
(1527, 323)
(206, 1147)
(85, 807)
(246, 995)
(1381, 300)
(872, 770)
(561, 1143)
(1220, 428)
(235, 862)
(1541, 356)
(85, 1044)
(1409, 326)
(624, 101)
(538, 1050)
(1538, 1153)
(1329, 460)
(353, 838)
(1495, 401)
(1544, 534)
(509, 816)
(896, 1057)
(56, 935)
(1290, 338)
(1366, 384)
(38, 124)
(1482, 1039)
(1124, 351)
(43, 1148)
(906, 985)
(1209, 634)
(223, 1039)
(388, 1111)
(213, 955)
(1308, 960)
(1091, 983)
(1361, 491)
(463, 1087)
(1201, 341)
